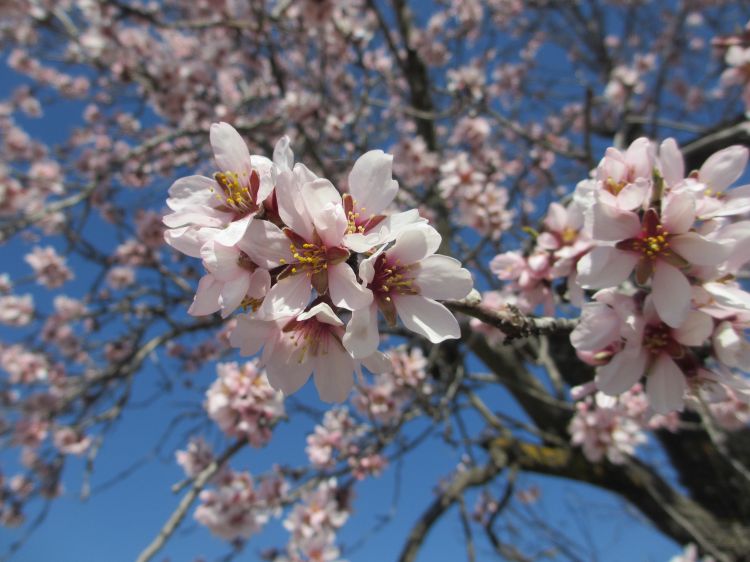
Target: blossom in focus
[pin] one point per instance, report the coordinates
(406, 279)
(221, 207)
(296, 347)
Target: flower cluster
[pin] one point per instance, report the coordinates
(555, 254)
(314, 521)
(665, 255)
(332, 438)
(238, 507)
(311, 266)
(605, 426)
(242, 402)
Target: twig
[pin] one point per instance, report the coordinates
(179, 514)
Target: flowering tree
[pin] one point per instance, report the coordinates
(418, 205)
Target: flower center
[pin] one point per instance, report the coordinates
(239, 192)
(391, 277)
(358, 221)
(311, 257)
(614, 186)
(310, 338)
(652, 246)
(657, 338)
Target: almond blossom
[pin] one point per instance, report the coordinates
(221, 207)
(645, 346)
(243, 404)
(405, 279)
(298, 346)
(658, 245)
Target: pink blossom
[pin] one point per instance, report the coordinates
(658, 245)
(243, 404)
(237, 277)
(405, 279)
(49, 267)
(221, 207)
(603, 426)
(332, 437)
(316, 228)
(655, 350)
(234, 509)
(71, 442)
(196, 457)
(16, 310)
(296, 347)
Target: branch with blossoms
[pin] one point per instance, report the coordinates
(613, 315)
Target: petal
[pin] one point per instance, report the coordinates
(622, 372)
(728, 295)
(283, 157)
(234, 232)
(265, 244)
(633, 195)
(197, 216)
(361, 338)
(322, 313)
(671, 294)
(415, 243)
(192, 191)
(264, 167)
(291, 205)
(289, 376)
(230, 151)
(378, 363)
(672, 163)
(288, 297)
(334, 375)
(344, 289)
(678, 212)
(442, 277)
(251, 334)
(233, 293)
(598, 327)
(189, 239)
(556, 219)
(737, 201)
(723, 168)
(319, 194)
(427, 317)
(220, 260)
(695, 330)
(605, 267)
(613, 224)
(665, 385)
(206, 300)
(260, 283)
(385, 232)
(330, 224)
(698, 250)
(370, 182)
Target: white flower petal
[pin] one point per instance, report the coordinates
(427, 317)
(442, 277)
(230, 151)
(671, 294)
(344, 289)
(665, 386)
(622, 372)
(370, 181)
(361, 338)
(415, 244)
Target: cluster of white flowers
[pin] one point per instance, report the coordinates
(312, 266)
